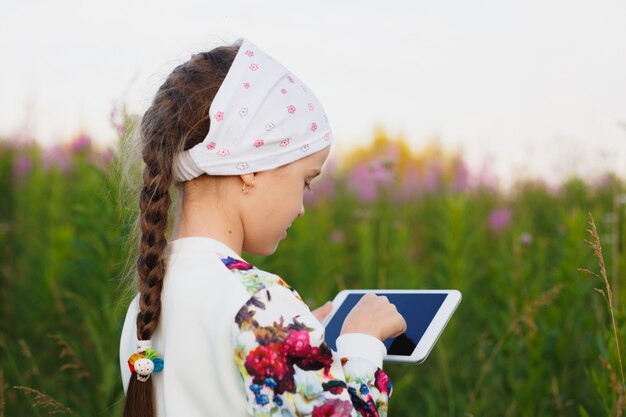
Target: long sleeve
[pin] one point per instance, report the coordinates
(287, 367)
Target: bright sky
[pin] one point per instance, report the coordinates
(535, 86)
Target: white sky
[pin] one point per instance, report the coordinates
(535, 86)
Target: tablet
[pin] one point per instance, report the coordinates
(426, 313)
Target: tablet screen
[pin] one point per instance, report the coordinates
(417, 309)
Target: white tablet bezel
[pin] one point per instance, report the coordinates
(431, 334)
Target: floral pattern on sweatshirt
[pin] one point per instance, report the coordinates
(285, 364)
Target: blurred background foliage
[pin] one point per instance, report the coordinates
(532, 336)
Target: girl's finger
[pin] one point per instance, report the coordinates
(320, 313)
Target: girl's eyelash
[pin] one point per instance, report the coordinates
(307, 186)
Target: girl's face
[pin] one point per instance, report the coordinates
(275, 201)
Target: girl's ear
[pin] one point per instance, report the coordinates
(248, 179)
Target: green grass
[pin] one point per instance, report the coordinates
(531, 337)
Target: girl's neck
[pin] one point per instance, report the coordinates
(194, 221)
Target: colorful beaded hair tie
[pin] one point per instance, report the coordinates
(145, 361)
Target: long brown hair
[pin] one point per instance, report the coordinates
(177, 119)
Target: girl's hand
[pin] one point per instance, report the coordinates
(320, 313)
(376, 316)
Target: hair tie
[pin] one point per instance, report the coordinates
(145, 361)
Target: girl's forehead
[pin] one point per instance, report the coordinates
(316, 161)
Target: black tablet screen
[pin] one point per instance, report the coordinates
(417, 309)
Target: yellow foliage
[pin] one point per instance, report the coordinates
(398, 154)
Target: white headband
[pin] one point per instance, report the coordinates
(262, 117)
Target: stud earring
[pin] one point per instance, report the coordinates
(244, 189)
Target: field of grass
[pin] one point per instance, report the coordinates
(535, 334)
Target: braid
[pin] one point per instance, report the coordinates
(154, 203)
(178, 119)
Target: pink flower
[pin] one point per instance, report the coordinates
(249, 53)
(327, 136)
(22, 139)
(311, 107)
(80, 142)
(526, 238)
(432, 178)
(316, 358)
(313, 126)
(304, 148)
(223, 152)
(460, 179)
(284, 143)
(258, 143)
(269, 126)
(411, 186)
(269, 362)
(290, 79)
(56, 156)
(291, 108)
(211, 146)
(297, 343)
(254, 67)
(219, 116)
(367, 179)
(334, 407)
(232, 263)
(359, 180)
(383, 383)
(297, 347)
(282, 90)
(107, 155)
(117, 120)
(246, 85)
(22, 166)
(499, 219)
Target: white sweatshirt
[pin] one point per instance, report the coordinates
(238, 341)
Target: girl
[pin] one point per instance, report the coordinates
(208, 334)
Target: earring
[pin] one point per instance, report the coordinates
(244, 189)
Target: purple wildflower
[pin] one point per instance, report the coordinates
(81, 142)
(392, 152)
(360, 181)
(460, 176)
(22, 139)
(22, 166)
(526, 238)
(485, 178)
(411, 185)
(366, 179)
(117, 120)
(432, 178)
(499, 219)
(56, 156)
(382, 171)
